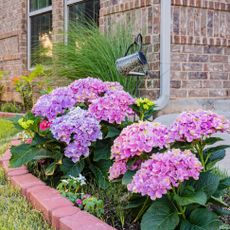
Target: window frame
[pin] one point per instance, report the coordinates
(30, 14)
(68, 3)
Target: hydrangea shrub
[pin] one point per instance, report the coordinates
(72, 128)
(170, 171)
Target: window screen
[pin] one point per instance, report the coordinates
(39, 4)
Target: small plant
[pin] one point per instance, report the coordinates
(25, 85)
(10, 107)
(73, 187)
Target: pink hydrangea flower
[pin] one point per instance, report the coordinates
(190, 126)
(44, 125)
(138, 138)
(117, 169)
(113, 107)
(164, 171)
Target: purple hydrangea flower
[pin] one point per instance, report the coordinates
(57, 102)
(78, 129)
(87, 89)
(164, 171)
(113, 107)
(197, 125)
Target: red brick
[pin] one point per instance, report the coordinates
(83, 221)
(17, 172)
(15, 142)
(46, 200)
(25, 181)
(6, 156)
(59, 213)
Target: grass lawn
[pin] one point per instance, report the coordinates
(16, 213)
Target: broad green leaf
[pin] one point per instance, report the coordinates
(224, 183)
(51, 169)
(215, 149)
(69, 168)
(39, 140)
(201, 219)
(112, 132)
(135, 203)
(100, 177)
(161, 215)
(196, 198)
(181, 145)
(102, 151)
(104, 165)
(22, 154)
(208, 182)
(127, 178)
(212, 140)
(214, 158)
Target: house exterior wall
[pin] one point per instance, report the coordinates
(12, 41)
(200, 44)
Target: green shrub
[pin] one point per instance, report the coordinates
(89, 52)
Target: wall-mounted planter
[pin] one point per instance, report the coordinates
(57, 210)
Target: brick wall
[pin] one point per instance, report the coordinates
(12, 41)
(144, 17)
(200, 51)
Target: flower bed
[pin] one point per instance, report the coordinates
(84, 139)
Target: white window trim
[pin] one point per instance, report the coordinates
(31, 14)
(66, 15)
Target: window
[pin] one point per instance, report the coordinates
(39, 32)
(81, 10)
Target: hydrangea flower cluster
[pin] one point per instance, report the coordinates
(78, 129)
(138, 138)
(114, 107)
(88, 89)
(164, 171)
(50, 105)
(190, 126)
(133, 141)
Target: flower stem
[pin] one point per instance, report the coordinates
(143, 209)
(199, 149)
(180, 210)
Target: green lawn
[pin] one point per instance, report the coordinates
(16, 213)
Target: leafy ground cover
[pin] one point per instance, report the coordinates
(16, 213)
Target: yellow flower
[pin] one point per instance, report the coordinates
(25, 124)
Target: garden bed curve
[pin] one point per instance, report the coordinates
(56, 209)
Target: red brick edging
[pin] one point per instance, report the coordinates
(56, 209)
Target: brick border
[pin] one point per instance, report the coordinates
(10, 115)
(58, 211)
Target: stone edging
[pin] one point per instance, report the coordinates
(56, 209)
